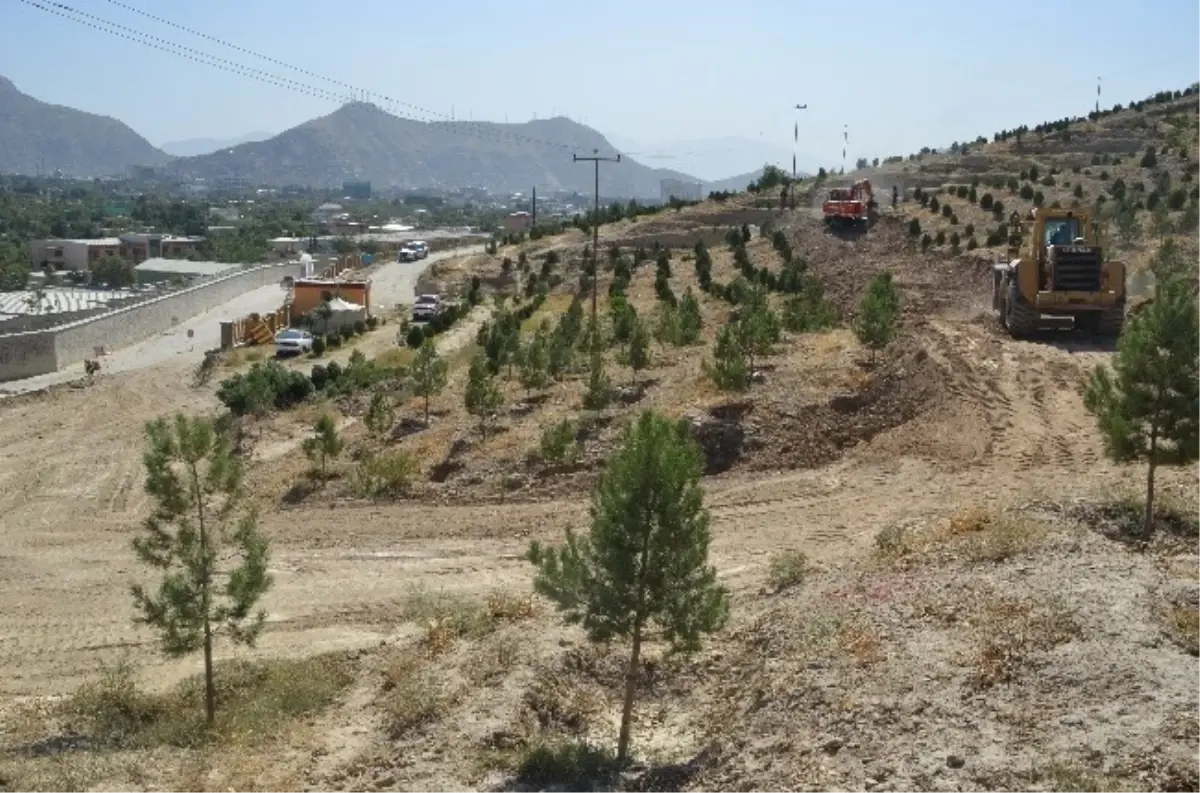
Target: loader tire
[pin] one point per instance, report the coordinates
(1112, 321)
(1019, 319)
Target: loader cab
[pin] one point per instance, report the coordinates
(1063, 231)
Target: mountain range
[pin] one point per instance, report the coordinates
(193, 147)
(356, 141)
(38, 137)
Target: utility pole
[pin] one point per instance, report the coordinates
(595, 159)
(796, 139)
(533, 206)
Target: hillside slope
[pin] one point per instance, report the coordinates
(360, 141)
(35, 133)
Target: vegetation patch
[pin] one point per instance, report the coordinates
(1012, 630)
(975, 535)
(257, 699)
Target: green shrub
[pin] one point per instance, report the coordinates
(319, 376)
(558, 445)
(360, 327)
(334, 340)
(318, 348)
(266, 385)
(415, 337)
(387, 474)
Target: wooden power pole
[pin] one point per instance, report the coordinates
(595, 159)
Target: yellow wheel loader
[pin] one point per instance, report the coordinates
(1060, 273)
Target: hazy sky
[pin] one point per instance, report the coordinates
(901, 75)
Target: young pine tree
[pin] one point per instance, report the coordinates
(483, 397)
(728, 369)
(535, 361)
(599, 388)
(324, 444)
(639, 348)
(878, 312)
(380, 416)
(428, 374)
(199, 523)
(690, 321)
(1147, 406)
(644, 562)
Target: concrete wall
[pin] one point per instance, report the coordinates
(41, 352)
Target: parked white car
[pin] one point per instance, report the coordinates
(420, 247)
(293, 342)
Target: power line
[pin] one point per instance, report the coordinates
(474, 129)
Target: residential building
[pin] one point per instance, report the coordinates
(77, 255)
(138, 248)
(288, 246)
(518, 221)
(326, 211)
(680, 189)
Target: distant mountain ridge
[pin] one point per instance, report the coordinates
(361, 141)
(194, 147)
(36, 136)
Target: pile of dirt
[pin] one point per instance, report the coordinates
(784, 434)
(930, 281)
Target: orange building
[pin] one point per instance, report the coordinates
(308, 293)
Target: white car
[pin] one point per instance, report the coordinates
(420, 247)
(293, 342)
(408, 254)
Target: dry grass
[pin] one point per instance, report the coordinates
(447, 618)
(1182, 624)
(412, 694)
(861, 641)
(1011, 631)
(975, 535)
(787, 569)
(112, 734)
(395, 357)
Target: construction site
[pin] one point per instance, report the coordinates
(935, 573)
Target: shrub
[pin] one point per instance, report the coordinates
(933, 204)
(319, 376)
(415, 337)
(558, 445)
(985, 201)
(914, 228)
(266, 385)
(969, 230)
(372, 322)
(1078, 191)
(334, 340)
(1026, 191)
(787, 569)
(925, 241)
(1039, 198)
(1149, 160)
(318, 348)
(388, 474)
(333, 371)
(360, 327)
(954, 240)
(972, 244)
(940, 239)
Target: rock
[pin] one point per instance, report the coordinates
(1071, 720)
(832, 745)
(955, 761)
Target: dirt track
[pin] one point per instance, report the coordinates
(1006, 423)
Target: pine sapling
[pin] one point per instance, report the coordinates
(429, 374)
(1148, 403)
(644, 562)
(324, 444)
(205, 540)
(482, 398)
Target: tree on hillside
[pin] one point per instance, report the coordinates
(877, 314)
(728, 369)
(113, 272)
(535, 361)
(14, 270)
(638, 353)
(428, 374)
(482, 398)
(380, 416)
(324, 444)
(645, 561)
(204, 540)
(1147, 404)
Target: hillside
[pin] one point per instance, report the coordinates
(939, 578)
(35, 133)
(360, 141)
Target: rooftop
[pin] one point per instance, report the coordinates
(184, 267)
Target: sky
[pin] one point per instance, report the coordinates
(896, 76)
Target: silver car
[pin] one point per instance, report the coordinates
(293, 342)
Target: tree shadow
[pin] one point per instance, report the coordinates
(1122, 520)
(580, 766)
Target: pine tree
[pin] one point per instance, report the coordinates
(599, 388)
(623, 316)
(728, 369)
(666, 324)
(324, 444)
(429, 374)
(482, 398)
(758, 326)
(199, 518)
(380, 416)
(560, 354)
(639, 348)
(1147, 406)
(535, 361)
(878, 312)
(690, 321)
(645, 561)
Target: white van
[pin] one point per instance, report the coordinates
(420, 247)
